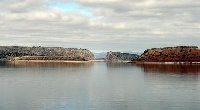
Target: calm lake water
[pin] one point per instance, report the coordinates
(99, 86)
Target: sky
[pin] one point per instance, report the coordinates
(100, 25)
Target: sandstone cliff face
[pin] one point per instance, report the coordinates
(117, 56)
(171, 54)
(56, 52)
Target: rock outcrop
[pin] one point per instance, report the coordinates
(171, 54)
(120, 57)
(45, 53)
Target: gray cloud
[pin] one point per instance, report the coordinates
(120, 25)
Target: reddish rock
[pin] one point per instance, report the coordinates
(171, 54)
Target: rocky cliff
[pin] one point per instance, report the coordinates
(171, 54)
(117, 56)
(45, 53)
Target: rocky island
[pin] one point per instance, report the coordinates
(44, 53)
(120, 57)
(179, 54)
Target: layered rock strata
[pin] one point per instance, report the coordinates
(171, 54)
(44, 53)
(120, 57)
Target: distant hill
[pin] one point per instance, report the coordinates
(100, 55)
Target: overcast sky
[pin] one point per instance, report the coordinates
(100, 25)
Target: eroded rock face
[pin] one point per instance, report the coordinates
(117, 56)
(171, 54)
(56, 52)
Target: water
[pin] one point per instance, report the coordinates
(98, 86)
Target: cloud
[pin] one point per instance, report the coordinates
(121, 25)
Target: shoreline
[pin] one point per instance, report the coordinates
(166, 63)
(52, 61)
(68, 61)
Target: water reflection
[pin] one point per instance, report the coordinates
(170, 68)
(102, 86)
(117, 65)
(45, 64)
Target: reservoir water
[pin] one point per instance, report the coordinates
(98, 86)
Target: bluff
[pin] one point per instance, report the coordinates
(171, 54)
(45, 53)
(118, 56)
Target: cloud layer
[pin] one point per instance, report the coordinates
(100, 25)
